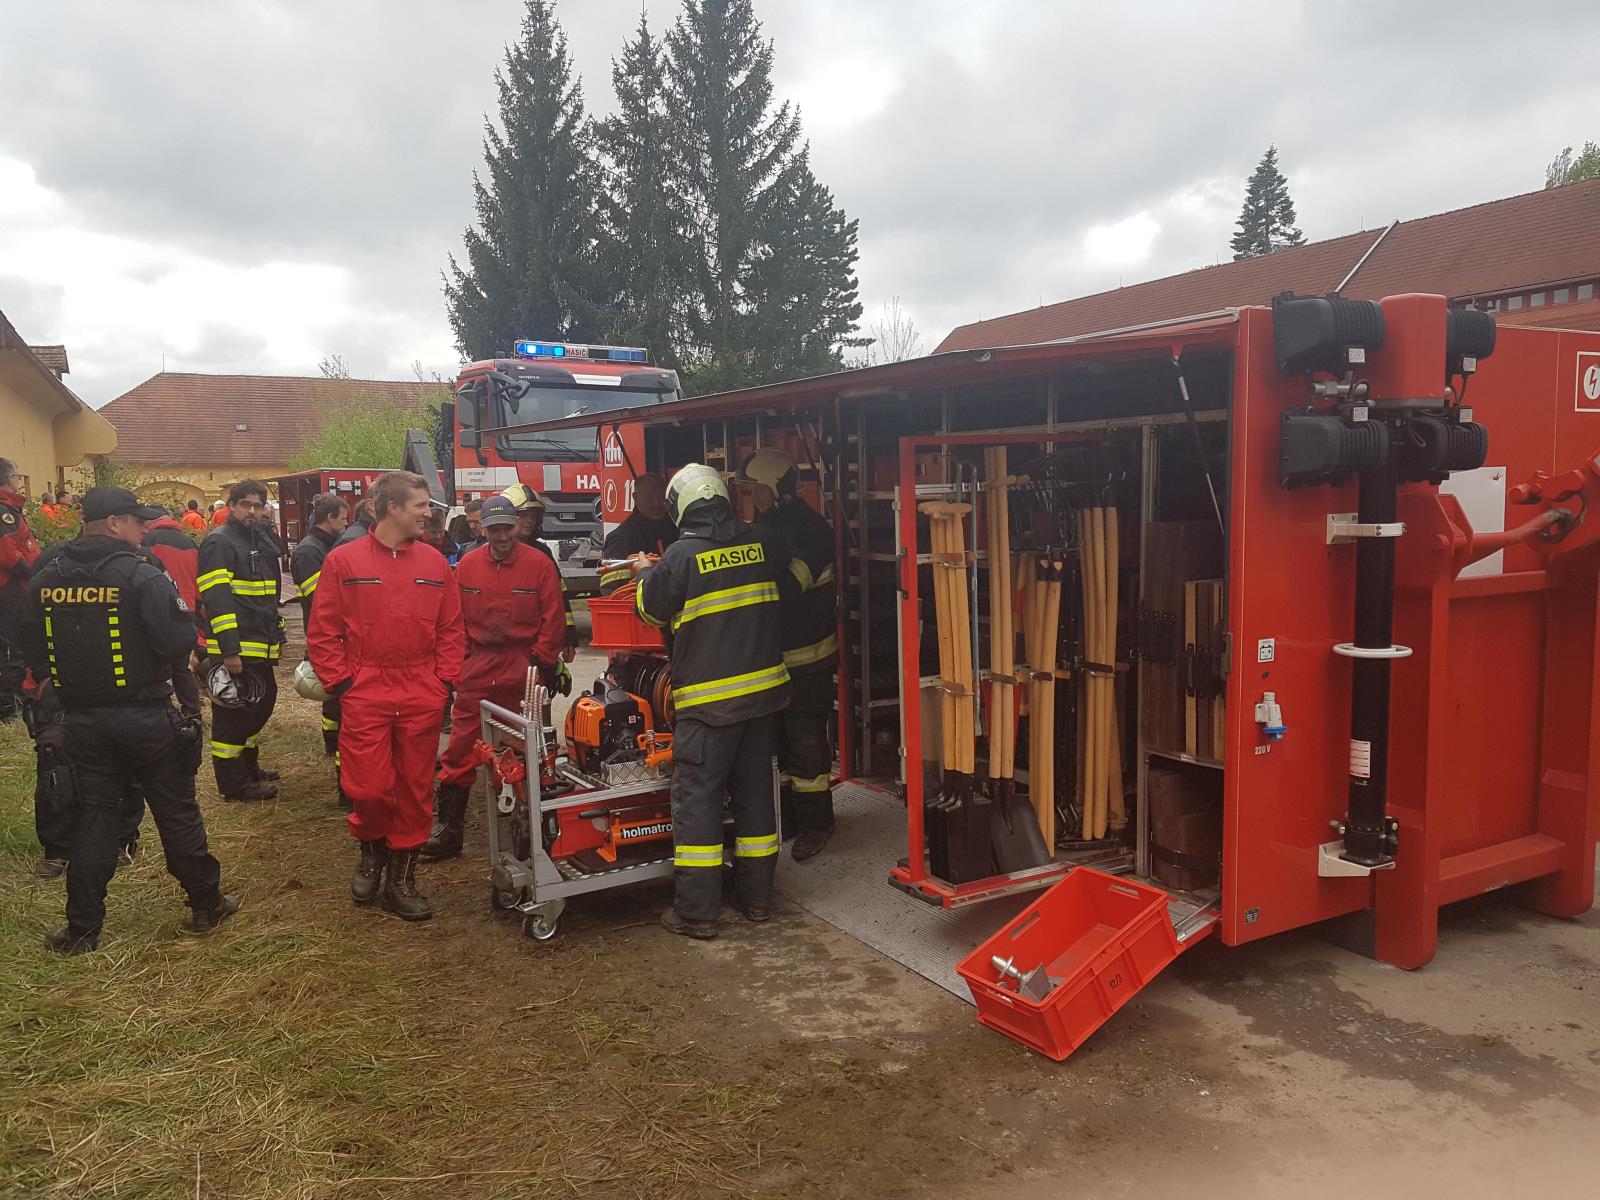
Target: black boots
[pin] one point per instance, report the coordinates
(449, 823)
(400, 895)
(675, 922)
(256, 789)
(205, 920)
(365, 882)
(65, 941)
(809, 843)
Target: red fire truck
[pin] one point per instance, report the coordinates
(543, 381)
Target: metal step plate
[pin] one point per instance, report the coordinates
(847, 885)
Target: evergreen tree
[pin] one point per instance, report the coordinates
(1568, 168)
(755, 213)
(1267, 221)
(643, 242)
(531, 269)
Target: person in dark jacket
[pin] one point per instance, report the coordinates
(810, 648)
(240, 581)
(360, 525)
(19, 549)
(718, 594)
(106, 626)
(648, 530)
(329, 516)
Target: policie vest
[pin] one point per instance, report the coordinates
(99, 654)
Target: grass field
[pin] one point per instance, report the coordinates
(310, 1050)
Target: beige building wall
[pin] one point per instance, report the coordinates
(41, 434)
(203, 482)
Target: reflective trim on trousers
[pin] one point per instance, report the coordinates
(818, 783)
(226, 749)
(697, 856)
(756, 847)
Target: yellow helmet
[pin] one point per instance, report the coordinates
(771, 468)
(523, 498)
(691, 484)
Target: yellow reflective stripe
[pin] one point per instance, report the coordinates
(802, 573)
(638, 607)
(697, 856)
(620, 575)
(756, 847)
(226, 750)
(733, 685)
(825, 578)
(212, 579)
(253, 587)
(817, 783)
(310, 584)
(329, 724)
(571, 620)
(251, 742)
(804, 656)
(259, 650)
(726, 599)
(223, 622)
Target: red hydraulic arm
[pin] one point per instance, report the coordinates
(1558, 529)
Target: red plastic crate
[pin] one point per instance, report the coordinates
(617, 626)
(1102, 939)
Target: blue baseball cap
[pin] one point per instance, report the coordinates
(497, 510)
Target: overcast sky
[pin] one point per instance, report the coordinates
(245, 186)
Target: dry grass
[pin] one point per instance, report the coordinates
(305, 1051)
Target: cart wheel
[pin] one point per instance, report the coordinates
(539, 927)
(500, 899)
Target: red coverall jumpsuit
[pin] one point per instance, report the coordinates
(514, 616)
(388, 623)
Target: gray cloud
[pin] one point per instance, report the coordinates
(978, 144)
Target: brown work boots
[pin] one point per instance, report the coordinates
(400, 895)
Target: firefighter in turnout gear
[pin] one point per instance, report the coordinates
(717, 594)
(108, 628)
(239, 584)
(511, 607)
(810, 648)
(530, 530)
(329, 516)
(648, 530)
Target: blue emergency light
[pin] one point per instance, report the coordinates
(630, 354)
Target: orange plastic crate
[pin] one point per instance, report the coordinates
(616, 624)
(1102, 939)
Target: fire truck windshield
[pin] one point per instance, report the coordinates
(547, 404)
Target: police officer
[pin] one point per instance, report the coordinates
(648, 530)
(810, 647)
(107, 627)
(18, 551)
(717, 594)
(329, 516)
(239, 584)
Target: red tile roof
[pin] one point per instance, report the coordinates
(1585, 314)
(1543, 237)
(175, 419)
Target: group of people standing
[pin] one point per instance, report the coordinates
(118, 626)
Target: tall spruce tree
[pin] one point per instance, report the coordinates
(755, 212)
(642, 248)
(531, 261)
(1267, 221)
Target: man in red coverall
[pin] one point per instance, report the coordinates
(511, 603)
(386, 638)
(18, 552)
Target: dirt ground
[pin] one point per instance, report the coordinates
(790, 1060)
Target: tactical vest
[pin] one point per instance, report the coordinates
(98, 653)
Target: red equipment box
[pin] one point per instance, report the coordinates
(1099, 937)
(617, 625)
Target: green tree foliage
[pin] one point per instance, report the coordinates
(530, 269)
(1267, 221)
(641, 208)
(366, 430)
(1570, 168)
(757, 309)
